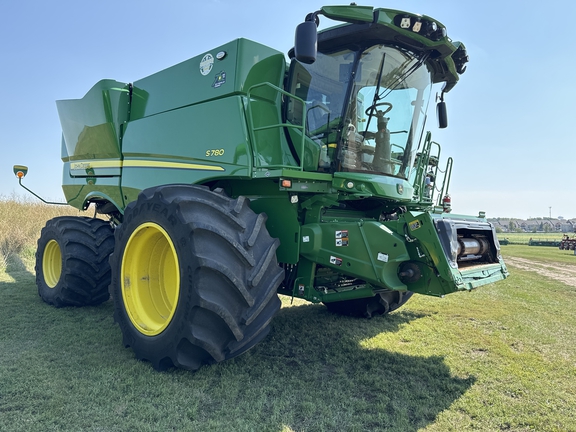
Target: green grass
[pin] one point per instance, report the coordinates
(524, 238)
(545, 254)
(500, 358)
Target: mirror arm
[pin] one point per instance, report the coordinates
(39, 197)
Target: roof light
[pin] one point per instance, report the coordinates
(423, 26)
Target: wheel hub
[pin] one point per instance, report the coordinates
(52, 263)
(150, 279)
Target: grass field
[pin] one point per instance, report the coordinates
(524, 238)
(541, 254)
(500, 358)
(20, 223)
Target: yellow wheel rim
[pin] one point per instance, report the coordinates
(150, 279)
(52, 263)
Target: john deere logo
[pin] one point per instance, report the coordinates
(206, 64)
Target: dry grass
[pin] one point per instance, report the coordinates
(21, 220)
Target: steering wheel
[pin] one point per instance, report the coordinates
(371, 108)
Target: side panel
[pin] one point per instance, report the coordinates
(78, 190)
(282, 223)
(189, 145)
(363, 249)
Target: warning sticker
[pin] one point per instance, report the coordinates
(335, 261)
(341, 238)
(414, 225)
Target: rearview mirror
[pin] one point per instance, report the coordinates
(442, 115)
(306, 41)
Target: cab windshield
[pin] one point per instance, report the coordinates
(365, 109)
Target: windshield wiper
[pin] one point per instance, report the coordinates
(376, 96)
(403, 77)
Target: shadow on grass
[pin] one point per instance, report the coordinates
(16, 269)
(332, 382)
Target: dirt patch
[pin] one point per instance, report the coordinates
(559, 272)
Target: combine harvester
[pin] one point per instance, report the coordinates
(235, 176)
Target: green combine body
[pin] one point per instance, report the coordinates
(348, 204)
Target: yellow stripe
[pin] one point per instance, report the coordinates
(141, 164)
(157, 164)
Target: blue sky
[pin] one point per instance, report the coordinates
(510, 116)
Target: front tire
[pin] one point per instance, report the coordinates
(194, 276)
(72, 266)
(381, 304)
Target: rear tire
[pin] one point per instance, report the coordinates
(72, 266)
(380, 304)
(194, 276)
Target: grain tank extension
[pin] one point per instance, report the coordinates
(236, 176)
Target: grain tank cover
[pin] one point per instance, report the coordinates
(223, 71)
(91, 125)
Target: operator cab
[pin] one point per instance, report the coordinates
(365, 108)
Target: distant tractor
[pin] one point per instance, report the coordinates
(568, 243)
(235, 176)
